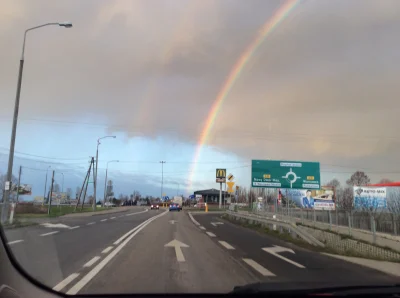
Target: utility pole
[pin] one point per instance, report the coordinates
(51, 193)
(19, 182)
(84, 182)
(162, 177)
(45, 185)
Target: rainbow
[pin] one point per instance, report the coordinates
(235, 73)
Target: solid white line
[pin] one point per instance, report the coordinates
(15, 241)
(79, 285)
(137, 212)
(214, 224)
(107, 250)
(113, 217)
(104, 219)
(211, 234)
(74, 227)
(51, 233)
(92, 261)
(91, 223)
(226, 245)
(283, 258)
(192, 218)
(260, 269)
(201, 227)
(62, 284)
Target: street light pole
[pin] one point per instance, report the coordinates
(95, 172)
(15, 121)
(162, 177)
(105, 180)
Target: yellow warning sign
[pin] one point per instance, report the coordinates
(230, 185)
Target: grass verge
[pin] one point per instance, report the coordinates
(56, 211)
(17, 224)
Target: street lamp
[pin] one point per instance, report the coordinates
(105, 180)
(97, 162)
(45, 184)
(162, 177)
(15, 117)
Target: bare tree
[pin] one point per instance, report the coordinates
(57, 188)
(385, 180)
(359, 178)
(334, 183)
(77, 191)
(345, 199)
(69, 193)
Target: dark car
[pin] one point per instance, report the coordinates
(174, 207)
(154, 206)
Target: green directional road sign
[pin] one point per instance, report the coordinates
(285, 174)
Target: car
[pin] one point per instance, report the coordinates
(154, 206)
(174, 207)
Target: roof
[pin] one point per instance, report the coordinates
(210, 192)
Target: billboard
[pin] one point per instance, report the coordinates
(321, 199)
(220, 175)
(285, 174)
(24, 189)
(369, 197)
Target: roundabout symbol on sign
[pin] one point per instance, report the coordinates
(293, 176)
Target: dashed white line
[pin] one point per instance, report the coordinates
(15, 241)
(80, 284)
(61, 285)
(107, 250)
(192, 218)
(113, 217)
(214, 224)
(91, 223)
(260, 269)
(104, 219)
(201, 227)
(226, 245)
(211, 234)
(72, 228)
(137, 212)
(47, 234)
(92, 261)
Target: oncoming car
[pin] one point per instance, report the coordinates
(154, 206)
(174, 207)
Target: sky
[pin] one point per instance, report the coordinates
(321, 85)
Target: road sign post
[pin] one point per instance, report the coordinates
(285, 174)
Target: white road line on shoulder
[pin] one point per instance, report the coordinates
(91, 223)
(71, 228)
(104, 219)
(214, 224)
(92, 261)
(113, 217)
(80, 284)
(211, 234)
(192, 218)
(226, 245)
(62, 284)
(47, 234)
(201, 227)
(107, 249)
(260, 269)
(15, 241)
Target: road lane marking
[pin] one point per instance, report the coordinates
(274, 251)
(136, 212)
(201, 227)
(113, 217)
(192, 218)
(104, 219)
(72, 228)
(107, 249)
(92, 261)
(226, 245)
(217, 223)
(211, 234)
(88, 277)
(260, 269)
(47, 234)
(91, 223)
(178, 251)
(15, 241)
(62, 284)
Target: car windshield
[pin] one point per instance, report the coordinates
(207, 144)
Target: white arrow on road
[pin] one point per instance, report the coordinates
(172, 221)
(177, 244)
(276, 249)
(59, 225)
(217, 223)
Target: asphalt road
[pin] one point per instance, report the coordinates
(170, 252)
